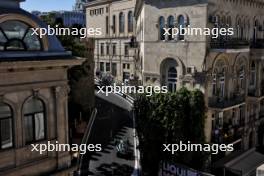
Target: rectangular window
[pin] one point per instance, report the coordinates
(102, 49)
(107, 24)
(126, 76)
(107, 67)
(124, 66)
(114, 69)
(114, 49)
(102, 66)
(114, 24)
(126, 50)
(107, 48)
(91, 12)
(128, 66)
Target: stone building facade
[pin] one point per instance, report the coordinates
(229, 70)
(33, 94)
(116, 21)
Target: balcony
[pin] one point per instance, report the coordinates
(228, 134)
(222, 103)
(229, 44)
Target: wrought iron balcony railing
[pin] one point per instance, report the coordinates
(218, 102)
(228, 134)
(229, 44)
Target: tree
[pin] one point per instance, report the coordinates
(80, 77)
(167, 119)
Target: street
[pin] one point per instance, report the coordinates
(111, 125)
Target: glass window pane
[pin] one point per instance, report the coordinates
(161, 28)
(6, 133)
(107, 67)
(28, 126)
(14, 29)
(32, 41)
(33, 106)
(121, 22)
(15, 45)
(5, 111)
(2, 41)
(39, 126)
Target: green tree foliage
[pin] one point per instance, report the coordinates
(168, 119)
(80, 77)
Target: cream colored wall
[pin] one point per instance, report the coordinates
(50, 85)
(120, 39)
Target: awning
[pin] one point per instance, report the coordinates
(245, 163)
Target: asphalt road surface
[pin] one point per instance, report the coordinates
(113, 123)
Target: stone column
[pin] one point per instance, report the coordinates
(61, 104)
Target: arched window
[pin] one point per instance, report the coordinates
(6, 126)
(172, 79)
(34, 120)
(18, 36)
(121, 22)
(114, 24)
(170, 25)
(181, 26)
(161, 28)
(130, 21)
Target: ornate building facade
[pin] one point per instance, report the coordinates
(33, 94)
(116, 21)
(229, 70)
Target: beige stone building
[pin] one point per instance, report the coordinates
(229, 70)
(33, 94)
(116, 20)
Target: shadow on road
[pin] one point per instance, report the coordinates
(112, 124)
